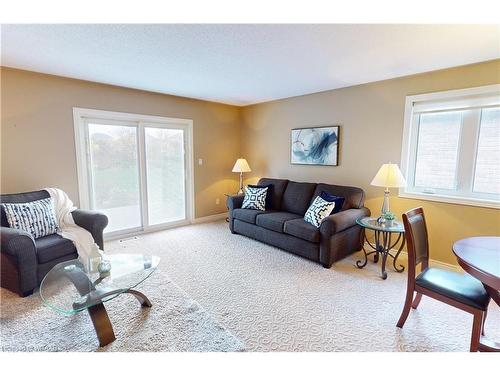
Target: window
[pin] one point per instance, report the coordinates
(451, 146)
(487, 174)
(134, 168)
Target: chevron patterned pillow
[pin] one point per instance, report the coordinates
(318, 211)
(255, 198)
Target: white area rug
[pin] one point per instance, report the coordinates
(268, 298)
(174, 323)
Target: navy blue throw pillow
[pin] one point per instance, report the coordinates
(339, 201)
(269, 196)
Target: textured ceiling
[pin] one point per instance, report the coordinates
(243, 64)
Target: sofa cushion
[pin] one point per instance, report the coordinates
(247, 215)
(276, 192)
(302, 229)
(354, 197)
(297, 197)
(275, 221)
(52, 247)
(284, 241)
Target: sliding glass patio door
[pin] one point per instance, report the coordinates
(114, 178)
(135, 172)
(165, 174)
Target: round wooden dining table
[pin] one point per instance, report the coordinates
(480, 257)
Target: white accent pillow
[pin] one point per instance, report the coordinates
(255, 198)
(37, 218)
(318, 211)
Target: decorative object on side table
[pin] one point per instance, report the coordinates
(388, 176)
(241, 166)
(383, 242)
(387, 219)
(315, 146)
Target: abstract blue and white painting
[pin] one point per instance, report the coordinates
(316, 146)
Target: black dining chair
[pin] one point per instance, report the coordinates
(459, 290)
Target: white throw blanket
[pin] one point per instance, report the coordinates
(83, 240)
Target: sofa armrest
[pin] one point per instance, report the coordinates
(92, 221)
(342, 220)
(235, 201)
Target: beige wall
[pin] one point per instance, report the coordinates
(38, 148)
(38, 143)
(371, 119)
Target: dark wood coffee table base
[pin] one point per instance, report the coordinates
(102, 324)
(97, 312)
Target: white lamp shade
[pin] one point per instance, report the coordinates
(241, 165)
(388, 176)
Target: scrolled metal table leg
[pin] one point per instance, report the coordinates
(384, 273)
(402, 268)
(362, 239)
(385, 251)
(377, 247)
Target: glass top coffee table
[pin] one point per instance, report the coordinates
(69, 289)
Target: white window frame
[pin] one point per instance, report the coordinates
(409, 147)
(81, 116)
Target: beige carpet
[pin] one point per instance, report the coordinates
(174, 323)
(271, 300)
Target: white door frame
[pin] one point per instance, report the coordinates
(80, 118)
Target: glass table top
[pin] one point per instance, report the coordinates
(371, 223)
(68, 288)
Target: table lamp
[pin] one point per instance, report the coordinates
(241, 166)
(388, 176)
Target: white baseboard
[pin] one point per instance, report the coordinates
(203, 219)
(206, 219)
(435, 263)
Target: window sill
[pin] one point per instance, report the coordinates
(450, 199)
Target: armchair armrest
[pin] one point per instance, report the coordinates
(17, 242)
(234, 201)
(92, 221)
(342, 220)
(19, 245)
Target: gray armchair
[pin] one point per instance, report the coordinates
(25, 260)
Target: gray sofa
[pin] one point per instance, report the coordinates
(282, 224)
(24, 260)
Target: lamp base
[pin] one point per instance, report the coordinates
(385, 205)
(240, 192)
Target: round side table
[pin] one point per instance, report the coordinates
(383, 244)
